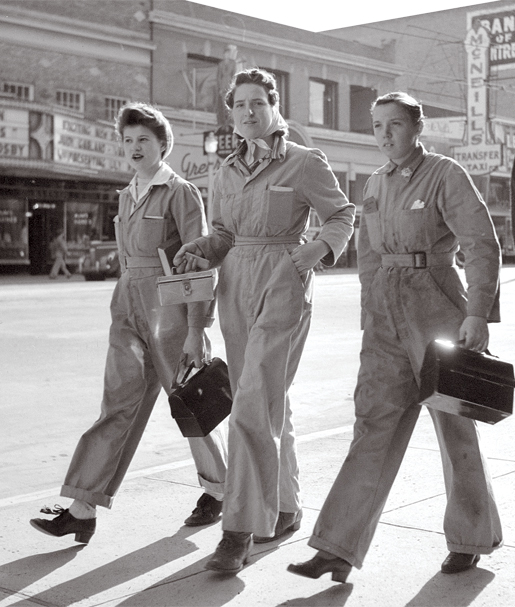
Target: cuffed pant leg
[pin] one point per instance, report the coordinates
(471, 524)
(210, 456)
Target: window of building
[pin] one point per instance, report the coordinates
(19, 90)
(322, 103)
(361, 99)
(70, 99)
(283, 86)
(112, 107)
(201, 79)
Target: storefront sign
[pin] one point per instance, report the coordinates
(477, 42)
(87, 145)
(14, 133)
(479, 159)
(446, 129)
(500, 28)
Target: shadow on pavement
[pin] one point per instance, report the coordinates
(24, 572)
(458, 590)
(105, 577)
(336, 596)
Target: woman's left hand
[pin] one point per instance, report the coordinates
(474, 333)
(306, 256)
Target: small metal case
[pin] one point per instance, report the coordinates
(466, 383)
(186, 288)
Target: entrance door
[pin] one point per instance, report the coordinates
(46, 219)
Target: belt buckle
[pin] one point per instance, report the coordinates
(419, 260)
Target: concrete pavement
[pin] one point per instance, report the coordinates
(143, 556)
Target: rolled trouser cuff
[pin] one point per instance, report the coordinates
(209, 486)
(95, 499)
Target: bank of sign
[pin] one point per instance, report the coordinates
(479, 159)
(500, 25)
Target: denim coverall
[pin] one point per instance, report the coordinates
(145, 343)
(265, 312)
(426, 205)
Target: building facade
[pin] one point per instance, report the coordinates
(69, 65)
(461, 64)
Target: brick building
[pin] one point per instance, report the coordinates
(461, 64)
(68, 65)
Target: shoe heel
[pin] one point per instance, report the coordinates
(295, 526)
(83, 537)
(340, 576)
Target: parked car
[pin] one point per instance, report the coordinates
(101, 262)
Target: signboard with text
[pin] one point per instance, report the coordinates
(479, 159)
(14, 133)
(499, 24)
(87, 146)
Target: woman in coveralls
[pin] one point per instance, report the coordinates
(263, 195)
(416, 210)
(147, 342)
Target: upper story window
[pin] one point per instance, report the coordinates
(70, 99)
(283, 82)
(201, 79)
(19, 90)
(112, 107)
(323, 103)
(361, 99)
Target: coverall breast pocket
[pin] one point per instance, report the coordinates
(151, 233)
(416, 227)
(279, 202)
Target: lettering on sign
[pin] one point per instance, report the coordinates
(88, 146)
(14, 133)
(479, 160)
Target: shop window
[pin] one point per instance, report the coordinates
(499, 192)
(19, 90)
(361, 99)
(322, 103)
(201, 79)
(283, 82)
(112, 107)
(70, 99)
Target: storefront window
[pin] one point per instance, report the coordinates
(14, 240)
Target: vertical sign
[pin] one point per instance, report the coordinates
(477, 44)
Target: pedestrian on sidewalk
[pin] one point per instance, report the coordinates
(263, 196)
(417, 210)
(147, 343)
(58, 251)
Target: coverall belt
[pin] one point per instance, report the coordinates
(420, 260)
(250, 240)
(142, 262)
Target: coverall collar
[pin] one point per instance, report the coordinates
(278, 152)
(161, 176)
(408, 167)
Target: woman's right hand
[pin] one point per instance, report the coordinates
(184, 264)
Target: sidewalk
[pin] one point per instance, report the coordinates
(143, 556)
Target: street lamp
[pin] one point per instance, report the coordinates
(210, 147)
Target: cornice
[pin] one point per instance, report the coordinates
(62, 34)
(319, 54)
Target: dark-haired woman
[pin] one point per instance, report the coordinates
(147, 342)
(263, 196)
(417, 209)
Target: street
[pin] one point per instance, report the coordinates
(54, 340)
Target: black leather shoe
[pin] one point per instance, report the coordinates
(318, 565)
(231, 553)
(457, 561)
(287, 521)
(64, 524)
(206, 512)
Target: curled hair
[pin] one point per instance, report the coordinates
(253, 76)
(136, 113)
(409, 103)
